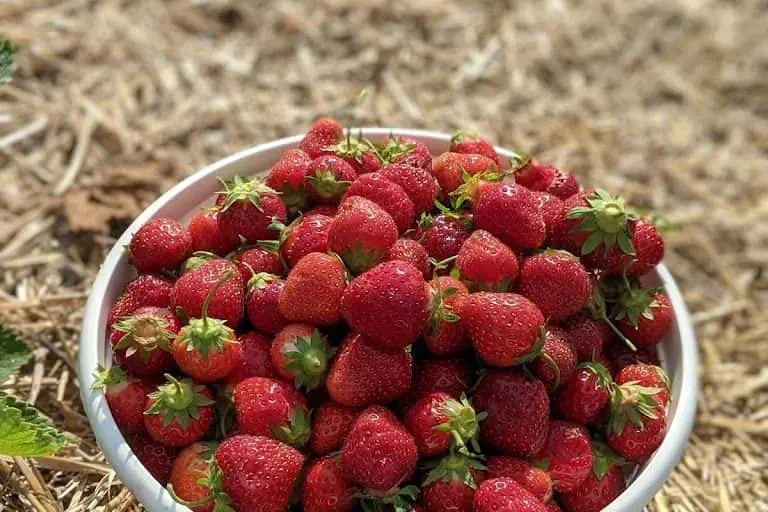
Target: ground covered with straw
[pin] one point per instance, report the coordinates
(114, 101)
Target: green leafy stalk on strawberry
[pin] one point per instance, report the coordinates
(606, 219)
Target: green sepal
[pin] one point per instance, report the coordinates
(440, 311)
(606, 219)
(350, 147)
(632, 402)
(213, 480)
(463, 424)
(261, 280)
(635, 302)
(308, 359)
(597, 310)
(603, 458)
(296, 432)
(399, 499)
(197, 259)
(542, 464)
(241, 189)
(394, 149)
(326, 185)
(295, 199)
(107, 377)
(178, 400)
(465, 192)
(143, 334)
(536, 349)
(455, 467)
(24, 432)
(462, 134)
(604, 379)
(358, 259)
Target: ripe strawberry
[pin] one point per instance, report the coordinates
(649, 376)
(445, 333)
(272, 408)
(566, 455)
(287, 177)
(437, 422)
(584, 396)
(378, 453)
(263, 303)
(545, 178)
(452, 170)
(227, 304)
(258, 473)
(252, 358)
(603, 485)
(644, 316)
(322, 134)
(449, 376)
(329, 210)
(505, 495)
(325, 488)
(620, 355)
(313, 290)
(518, 412)
(637, 424)
(328, 177)
(300, 354)
(419, 184)
(307, 234)
(358, 153)
(253, 260)
(556, 282)
(552, 506)
(410, 251)
(451, 484)
(246, 210)
(531, 478)
(196, 480)
(331, 422)
(160, 244)
(552, 210)
(648, 252)
(362, 374)
(470, 143)
(486, 263)
(203, 227)
(157, 458)
(140, 342)
(387, 304)
(361, 233)
(145, 290)
(407, 151)
(388, 195)
(557, 361)
(443, 235)
(505, 328)
(512, 214)
(588, 337)
(125, 396)
(179, 412)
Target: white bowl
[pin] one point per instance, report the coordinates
(677, 351)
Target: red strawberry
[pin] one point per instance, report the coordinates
(179, 413)
(258, 473)
(419, 184)
(361, 233)
(157, 458)
(648, 252)
(595, 493)
(145, 290)
(556, 282)
(362, 374)
(637, 424)
(512, 214)
(272, 408)
(197, 259)
(486, 262)
(410, 251)
(552, 506)
(649, 376)
(300, 354)
(126, 397)
(196, 480)
(620, 355)
(451, 484)
(407, 151)
(545, 178)
(331, 422)
(322, 134)
(603, 360)
(378, 453)
(388, 195)
(505, 328)
(436, 421)
(160, 244)
(470, 143)
(454, 169)
(313, 290)
(256, 259)
(566, 455)
(263, 304)
(557, 361)
(190, 290)
(531, 478)
(387, 304)
(518, 412)
(552, 210)
(358, 153)
(141, 341)
(586, 336)
(325, 488)
(287, 177)
(246, 210)
(505, 495)
(644, 316)
(584, 396)
(328, 177)
(449, 376)
(443, 235)
(329, 210)
(203, 227)
(252, 358)
(309, 234)
(445, 333)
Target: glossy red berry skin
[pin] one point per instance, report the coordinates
(174, 434)
(309, 235)
(595, 494)
(649, 331)
(636, 443)
(443, 236)
(158, 360)
(646, 375)
(531, 478)
(254, 260)
(468, 144)
(331, 422)
(322, 134)
(557, 361)
(313, 290)
(567, 455)
(263, 405)
(486, 263)
(126, 402)
(551, 210)
(417, 156)
(583, 398)
(410, 251)
(188, 468)
(228, 302)
(422, 417)
(144, 290)
(545, 178)
(246, 220)
(252, 358)
(160, 244)
(557, 283)
(442, 337)
(325, 488)
(388, 195)
(588, 337)
(156, 457)
(204, 229)
(512, 214)
(328, 177)
(419, 184)
(450, 169)
(505, 495)
(449, 376)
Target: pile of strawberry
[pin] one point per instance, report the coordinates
(373, 329)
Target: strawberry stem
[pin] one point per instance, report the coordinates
(224, 277)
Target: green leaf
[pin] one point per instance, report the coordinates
(7, 51)
(24, 432)
(592, 242)
(13, 353)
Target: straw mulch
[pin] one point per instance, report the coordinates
(664, 101)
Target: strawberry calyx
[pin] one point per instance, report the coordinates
(440, 311)
(308, 359)
(241, 189)
(603, 459)
(455, 467)
(463, 134)
(261, 280)
(394, 149)
(598, 310)
(604, 379)
(112, 379)
(326, 185)
(197, 259)
(178, 400)
(536, 348)
(606, 219)
(399, 499)
(212, 479)
(205, 334)
(350, 147)
(632, 402)
(463, 424)
(358, 258)
(635, 302)
(467, 191)
(143, 334)
(296, 432)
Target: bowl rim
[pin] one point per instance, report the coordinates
(155, 497)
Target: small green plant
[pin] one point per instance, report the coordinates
(7, 51)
